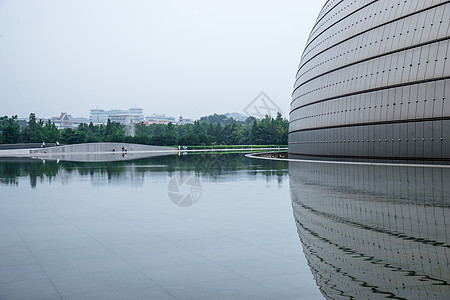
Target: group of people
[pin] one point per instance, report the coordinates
(124, 149)
(43, 144)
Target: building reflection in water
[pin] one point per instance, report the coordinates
(374, 231)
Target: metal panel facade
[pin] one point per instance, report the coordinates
(374, 82)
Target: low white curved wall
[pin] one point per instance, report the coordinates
(101, 147)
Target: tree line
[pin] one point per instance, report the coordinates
(210, 130)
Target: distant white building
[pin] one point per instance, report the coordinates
(101, 116)
(38, 119)
(67, 121)
(159, 119)
(183, 121)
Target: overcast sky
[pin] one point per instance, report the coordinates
(175, 57)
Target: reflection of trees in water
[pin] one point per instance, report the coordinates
(11, 170)
(374, 231)
(212, 166)
(9, 173)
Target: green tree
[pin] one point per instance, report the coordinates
(66, 135)
(10, 130)
(50, 133)
(91, 138)
(84, 127)
(118, 135)
(157, 140)
(142, 139)
(114, 132)
(170, 140)
(32, 133)
(281, 130)
(77, 137)
(109, 129)
(218, 133)
(170, 129)
(254, 133)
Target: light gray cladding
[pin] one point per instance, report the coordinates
(374, 72)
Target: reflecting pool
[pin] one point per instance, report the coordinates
(213, 226)
(169, 227)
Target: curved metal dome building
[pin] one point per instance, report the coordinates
(374, 82)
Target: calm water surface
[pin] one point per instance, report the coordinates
(222, 227)
(122, 230)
